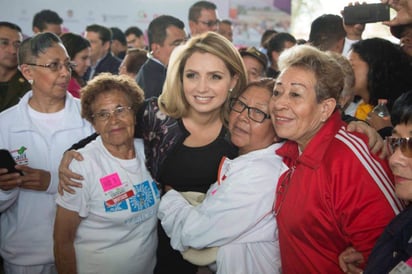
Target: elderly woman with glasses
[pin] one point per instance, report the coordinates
(236, 214)
(36, 132)
(393, 249)
(336, 193)
(109, 225)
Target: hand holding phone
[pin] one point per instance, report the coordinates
(7, 161)
(365, 13)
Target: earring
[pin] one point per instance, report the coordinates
(30, 81)
(230, 90)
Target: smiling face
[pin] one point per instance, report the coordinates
(206, 83)
(247, 134)
(401, 165)
(294, 110)
(117, 131)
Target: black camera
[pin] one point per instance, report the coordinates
(365, 13)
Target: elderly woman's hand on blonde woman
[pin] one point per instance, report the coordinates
(350, 260)
(403, 9)
(66, 176)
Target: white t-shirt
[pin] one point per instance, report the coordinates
(114, 239)
(236, 215)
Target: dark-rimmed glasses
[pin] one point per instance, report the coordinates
(56, 66)
(405, 145)
(210, 23)
(254, 114)
(118, 112)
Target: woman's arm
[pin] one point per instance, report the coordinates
(65, 228)
(66, 176)
(238, 200)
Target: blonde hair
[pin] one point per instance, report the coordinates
(172, 101)
(328, 73)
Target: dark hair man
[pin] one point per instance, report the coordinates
(203, 17)
(12, 83)
(101, 58)
(47, 20)
(165, 33)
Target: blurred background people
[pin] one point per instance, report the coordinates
(48, 123)
(12, 83)
(47, 20)
(264, 39)
(347, 94)
(382, 71)
(119, 43)
(226, 29)
(135, 38)
(79, 50)
(404, 34)
(275, 46)
(327, 33)
(96, 231)
(203, 17)
(165, 33)
(101, 59)
(132, 62)
(255, 63)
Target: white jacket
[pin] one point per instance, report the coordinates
(27, 216)
(236, 215)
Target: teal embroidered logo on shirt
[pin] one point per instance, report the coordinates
(144, 197)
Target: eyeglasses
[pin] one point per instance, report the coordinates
(209, 23)
(119, 112)
(4, 43)
(254, 114)
(57, 66)
(405, 144)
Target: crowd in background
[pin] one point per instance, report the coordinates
(120, 135)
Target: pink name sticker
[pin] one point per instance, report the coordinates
(110, 181)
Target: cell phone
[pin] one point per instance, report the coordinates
(365, 13)
(7, 161)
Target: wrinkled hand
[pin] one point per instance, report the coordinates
(377, 122)
(34, 179)
(403, 9)
(66, 176)
(350, 260)
(9, 181)
(375, 142)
